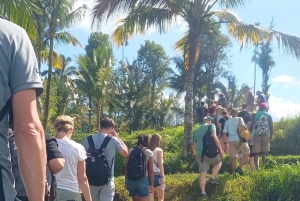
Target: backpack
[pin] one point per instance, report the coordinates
(19, 185)
(210, 148)
(136, 165)
(243, 131)
(98, 170)
(262, 126)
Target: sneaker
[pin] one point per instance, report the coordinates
(203, 195)
(239, 170)
(212, 181)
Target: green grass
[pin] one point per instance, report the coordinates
(278, 184)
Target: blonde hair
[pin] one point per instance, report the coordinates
(64, 123)
(155, 141)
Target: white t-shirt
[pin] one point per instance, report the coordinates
(155, 161)
(73, 153)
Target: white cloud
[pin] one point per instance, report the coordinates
(280, 108)
(284, 79)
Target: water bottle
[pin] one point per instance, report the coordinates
(163, 186)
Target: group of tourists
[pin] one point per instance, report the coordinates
(240, 133)
(36, 167)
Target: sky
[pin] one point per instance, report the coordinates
(284, 78)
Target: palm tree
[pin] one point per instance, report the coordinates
(145, 14)
(232, 93)
(59, 15)
(93, 77)
(22, 13)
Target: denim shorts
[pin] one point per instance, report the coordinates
(157, 177)
(138, 188)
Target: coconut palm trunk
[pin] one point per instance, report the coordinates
(188, 116)
(48, 88)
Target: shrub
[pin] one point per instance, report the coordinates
(280, 184)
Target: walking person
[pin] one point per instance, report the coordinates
(158, 168)
(100, 172)
(20, 85)
(211, 108)
(262, 132)
(208, 152)
(139, 174)
(236, 146)
(251, 107)
(224, 138)
(72, 177)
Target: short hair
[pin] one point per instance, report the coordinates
(107, 123)
(64, 123)
(143, 139)
(244, 106)
(234, 111)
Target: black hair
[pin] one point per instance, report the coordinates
(107, 123)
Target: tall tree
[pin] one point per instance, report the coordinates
(145, 14)
(94, 72)
(154, 61)
(59, 15)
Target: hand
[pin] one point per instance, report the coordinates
(114, 133)
(221, 154)
(162, 181)
(150, 189)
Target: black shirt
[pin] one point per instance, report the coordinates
(246, 116)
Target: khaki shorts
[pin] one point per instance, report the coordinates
(261, 143)
(235, 147)
(204, 165)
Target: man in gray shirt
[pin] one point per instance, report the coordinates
(20, 84)
(107, 192)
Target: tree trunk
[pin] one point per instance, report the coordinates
(99, 114)
(48, 88)
(90, 114)
(188, 116)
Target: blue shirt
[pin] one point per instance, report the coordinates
(231, 127)
(110, 151)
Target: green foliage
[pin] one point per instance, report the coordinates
(279, 183)
(287, 137)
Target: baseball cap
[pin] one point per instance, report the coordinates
(207, 118)
(258, 92)
(263, 105)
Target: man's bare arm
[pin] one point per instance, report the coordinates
(30, 140)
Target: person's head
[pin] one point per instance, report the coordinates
(64, 126)
(155, 141)
(263, 106)
(143, 140)
(207, 120)
(246, 89)
(234, 112)
(244, 107)
(258, 92)
(202, 103)
(211, 103)
(221, 96)
(107, 125)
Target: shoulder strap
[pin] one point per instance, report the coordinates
(209, 128)
(105, 142)
(4, 110)
(91, 143)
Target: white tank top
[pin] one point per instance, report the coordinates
(155, 163)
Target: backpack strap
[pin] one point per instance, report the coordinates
(105, 142)
(91, 143)
(5, 109)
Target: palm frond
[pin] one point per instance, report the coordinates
(66, 38)
(232, 4)
(56, 61)
(141, 19)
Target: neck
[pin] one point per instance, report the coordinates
(62, 135)
(103, 131)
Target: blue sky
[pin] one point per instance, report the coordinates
(285, 77)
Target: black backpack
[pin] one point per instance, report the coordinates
(136, 165)
(98, 170)
(210, 148)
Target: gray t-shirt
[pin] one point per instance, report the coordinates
(18, 71)
(111, 148)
